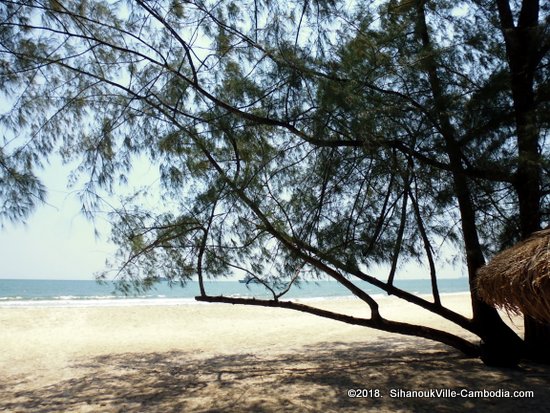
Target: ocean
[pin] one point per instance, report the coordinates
(89, 293)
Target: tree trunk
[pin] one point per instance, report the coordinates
(523, 46)
(537, 340)
(500, 345)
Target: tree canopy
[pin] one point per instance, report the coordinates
(310, 137)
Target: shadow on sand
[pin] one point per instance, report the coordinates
(316, 379)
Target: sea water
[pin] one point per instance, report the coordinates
(69, 293)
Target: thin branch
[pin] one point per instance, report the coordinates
(176, 35)
(427, 246)
(401, 230)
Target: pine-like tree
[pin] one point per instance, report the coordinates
(312, 136)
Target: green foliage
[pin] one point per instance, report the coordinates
(20, 190)
(285, 133)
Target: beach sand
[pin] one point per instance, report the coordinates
(224, 358)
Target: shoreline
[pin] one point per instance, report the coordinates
(218, 357)
(85, 302)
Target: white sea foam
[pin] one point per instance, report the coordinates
(100, 302)
(160, 300)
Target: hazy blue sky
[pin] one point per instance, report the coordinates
(57, 242)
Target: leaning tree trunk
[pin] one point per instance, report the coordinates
(500, 345)
(523, 48)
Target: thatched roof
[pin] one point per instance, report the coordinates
(518, 279)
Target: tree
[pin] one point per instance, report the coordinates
(526, 47)
(293, 137)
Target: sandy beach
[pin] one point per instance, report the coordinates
(223, 358)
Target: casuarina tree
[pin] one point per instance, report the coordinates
(299, 138)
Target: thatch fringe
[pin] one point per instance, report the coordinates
(518, 279)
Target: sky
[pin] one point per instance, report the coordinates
(58, 242)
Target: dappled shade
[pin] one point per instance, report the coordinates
(518, 279)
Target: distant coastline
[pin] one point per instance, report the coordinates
(33, 293)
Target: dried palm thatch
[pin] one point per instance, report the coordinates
(518, 279)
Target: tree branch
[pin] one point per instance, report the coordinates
(378, 323)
